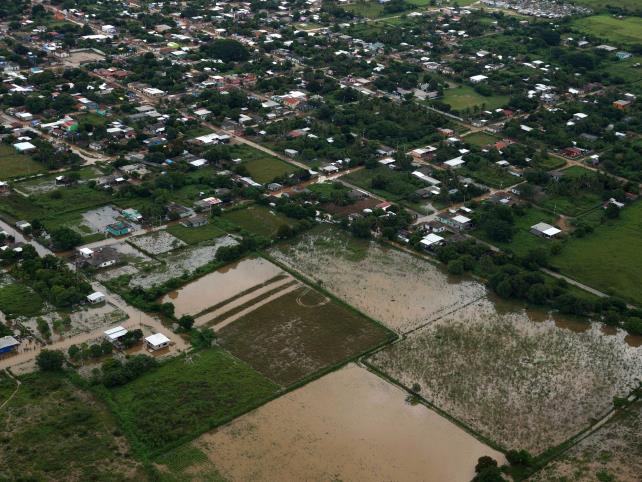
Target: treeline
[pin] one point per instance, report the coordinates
(520, 278)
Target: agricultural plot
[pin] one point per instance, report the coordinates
(624, 31)
(521, 383)
(221, 287)
(157, 242)
(196, 235)
(348, 425)
(51, 430)
(609, 258)
(187, 396)
(400, 290)
(13, 164)
(255, 219)
(174, 265)
(47, 183)
(298, 333)
(491, 175)
(612, 453)
(465, 97)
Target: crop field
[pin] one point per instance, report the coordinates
(520, 382)
(256, 220)
(396, 288)
(13, 164)
(299, 333)
(187, 396)
(609, 258)
(266, 169)
(53, 431)
(613, 453)
(624, 31)
(348, 425)
(465, 97)
(365, 8)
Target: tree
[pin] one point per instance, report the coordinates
(64, 238)
(73, 352)
(519, 457)
(612, 211)
(50, 360)
(186, 322)
(456, 266)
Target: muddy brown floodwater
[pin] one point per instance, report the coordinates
(349, 425)
(221, 285)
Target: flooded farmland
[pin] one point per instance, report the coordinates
(400, 290)
(222, 285)
(491, 369)
(349, 425)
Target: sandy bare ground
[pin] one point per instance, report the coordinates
(349, 425)
(523, 384)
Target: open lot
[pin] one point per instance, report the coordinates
(17, 299)
(299, 333)
(256, 220)
(195, 235)
(613, 453)
(13, 164)
(514, 375)
(624, 31)
(266, 169)
(609, 258)
(480, 139)
(348, 425)
(187, 396)
(465, 97)
(51, 430)
(398, 289)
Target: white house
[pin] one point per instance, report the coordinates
(476, 79)
(96, 297)
(113, 334)
(157, 341)
(545, 230)
(431, 240)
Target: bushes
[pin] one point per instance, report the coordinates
(116, 373)
(50, 360)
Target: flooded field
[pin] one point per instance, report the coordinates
(520, 381)
(242, 277)
(396, 288)
(348, 425)
(173, 265)
(157, 242)
(297, 332)
(613, 453)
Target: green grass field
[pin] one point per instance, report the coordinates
(52, 430)
(491, 175)
(196, 235)
(266, 169)
(480, 139)
(609, 258)
(625, 31)
(365, 8)
(18, 300)
(186, 397)
(599, 5)
(465, 97)
(13, 164)
(255, 219)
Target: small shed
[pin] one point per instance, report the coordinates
(157, 341)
